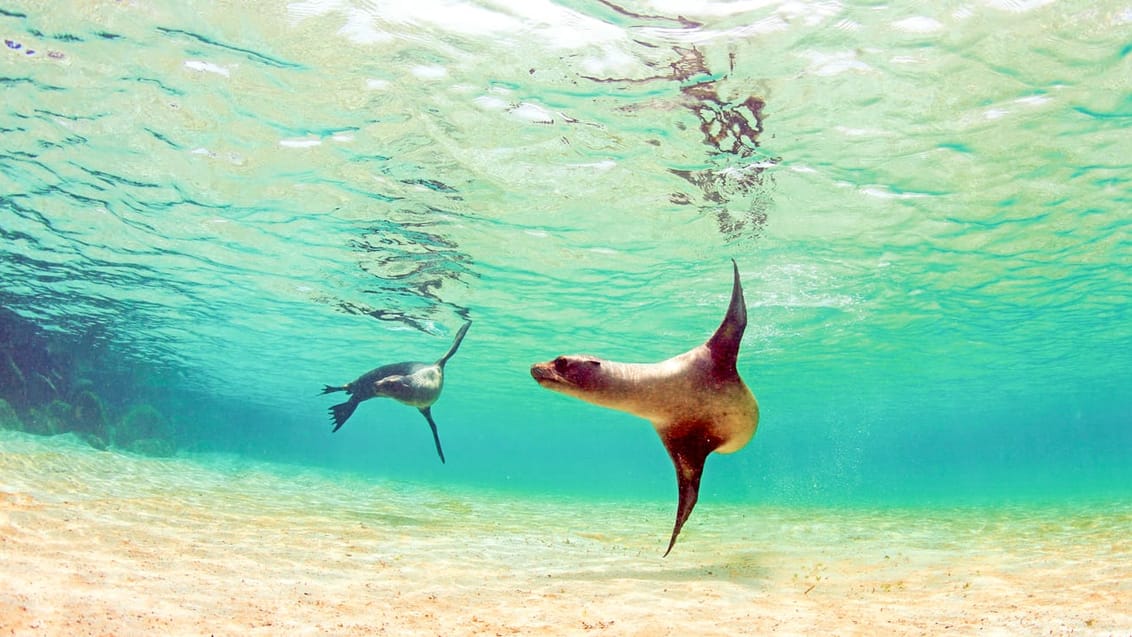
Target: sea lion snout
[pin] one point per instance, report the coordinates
(581, 371)
(543, 372)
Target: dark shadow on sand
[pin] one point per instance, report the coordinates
(742, 568)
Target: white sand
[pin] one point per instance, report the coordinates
(97, 543)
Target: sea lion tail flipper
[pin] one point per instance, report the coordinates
(427, 413)
(341, 412)
(455, 344)
(724, 343)
(330, 389)
(688, 452)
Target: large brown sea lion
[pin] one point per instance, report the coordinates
(696, 401)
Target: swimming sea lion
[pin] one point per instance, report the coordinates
(412, 383)
(696, 401)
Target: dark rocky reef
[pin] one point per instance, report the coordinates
(9, 419)
(144, 429)
(52, 383)
(89, 419)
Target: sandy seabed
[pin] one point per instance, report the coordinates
(101, 543)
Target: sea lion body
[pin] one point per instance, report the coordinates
(682, 388)
(696, 401)
(413, 383)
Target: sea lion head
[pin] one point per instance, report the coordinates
(578, 375)
(589, 378)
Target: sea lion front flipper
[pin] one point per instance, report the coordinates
(724, 343)
(427, 413)
(688, 446)
(455, 344)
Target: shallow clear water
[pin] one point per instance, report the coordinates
(929, 208)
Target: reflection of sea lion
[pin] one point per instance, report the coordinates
(696, 401)
(412, 383)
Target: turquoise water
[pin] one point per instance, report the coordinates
(217, 209)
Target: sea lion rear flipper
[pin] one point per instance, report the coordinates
(688, 447)
(341, 412)
(427, 413)
(329, 389)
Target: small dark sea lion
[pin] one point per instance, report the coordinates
(415, 384)
(696, 401)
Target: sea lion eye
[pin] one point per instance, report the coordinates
(595, 363)
(560, 364)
